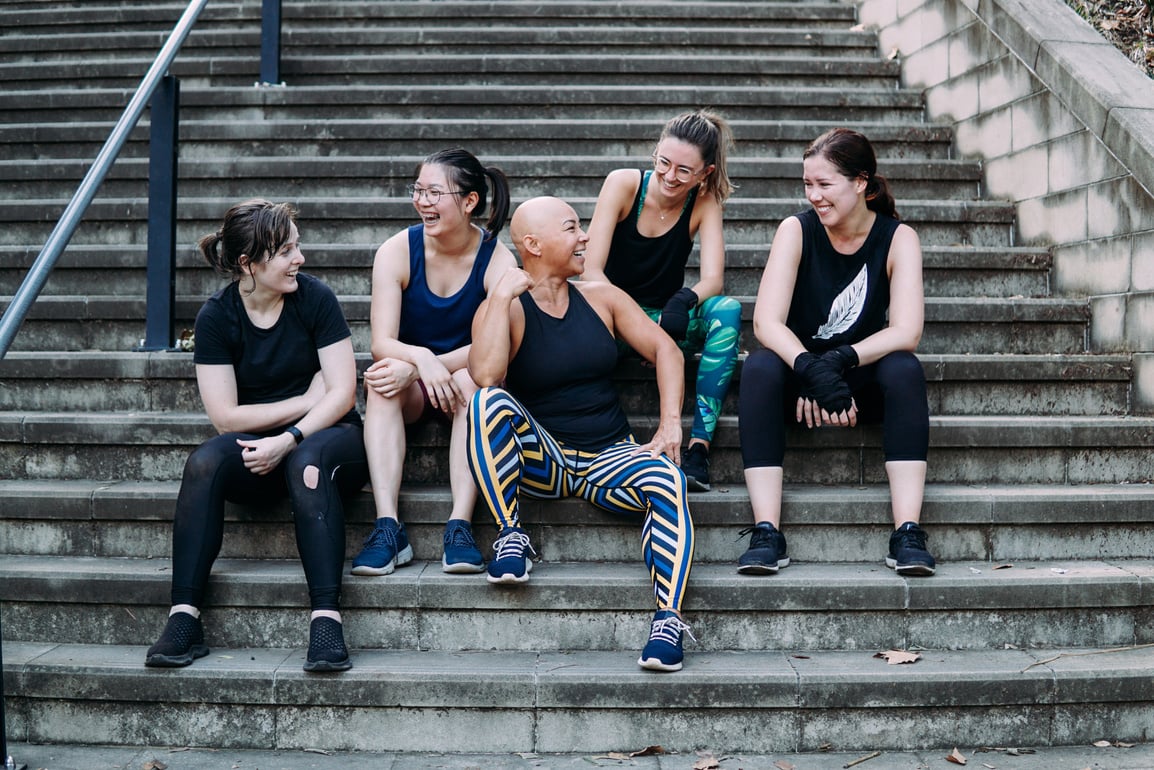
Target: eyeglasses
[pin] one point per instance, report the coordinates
(431, 194)
(661, 165)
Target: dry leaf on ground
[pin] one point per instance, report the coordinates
(781, 764)
(956, 757)
(706, 763)
(894, 657)
(154, 764)
(648, 751)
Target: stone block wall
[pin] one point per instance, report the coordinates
(1064, 126)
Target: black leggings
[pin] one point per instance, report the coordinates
(215, 473)
(892, 390)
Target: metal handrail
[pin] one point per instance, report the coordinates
(37, 276)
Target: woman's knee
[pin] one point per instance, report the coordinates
(206, 459)
(901, 374)
(764, 373)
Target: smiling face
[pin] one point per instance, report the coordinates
(277, 274)
(678, 167)
(452, 210)
(551, 233)
(834, 196)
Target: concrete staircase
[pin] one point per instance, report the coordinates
(1039, 507)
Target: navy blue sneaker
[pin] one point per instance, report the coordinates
(327, 650)
(512, 557)
(181, 642)
(663, 651)
(695, 466)
(461, 552)
(386, 548)
(908, 554)
(766, 553)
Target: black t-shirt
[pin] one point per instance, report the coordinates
(275, 363)
(840, 299)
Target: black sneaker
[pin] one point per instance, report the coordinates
(767, 551)
(181, 642)
(327, 651)
(908, 554)
(695, 466)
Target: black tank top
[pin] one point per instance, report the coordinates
(562, 374)
(840, 299)
(650, 269)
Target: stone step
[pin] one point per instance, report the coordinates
(958, 384)
(380, 102)
(953, 325)
(571, 607)
(578, 176)
(504, 702)
(965, 449)
(504, 68)
(300, 42)
(368, 219)
(990, 523)
(335, 136)
(948, 271)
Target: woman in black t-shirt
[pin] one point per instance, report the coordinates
(840, 313)
(276, 372)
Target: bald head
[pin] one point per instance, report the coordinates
(539, 218)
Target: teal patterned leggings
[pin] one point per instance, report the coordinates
(714, 331)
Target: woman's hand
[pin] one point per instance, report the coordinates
(262, 455)
(666, 441)
(390, 376)
(442, 389)
(814, 416)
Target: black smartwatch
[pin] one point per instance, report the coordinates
(295, 432)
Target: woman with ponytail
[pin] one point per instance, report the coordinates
(640, 237)
(275, 367)
(840, 313)
(428, 281)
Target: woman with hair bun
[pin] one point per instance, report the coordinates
(428, 281)
(276, 371)
(840, 313)
(640, 237)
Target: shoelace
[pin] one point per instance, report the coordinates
(912, 538)
(669, 630)
(382, 536)
(513, 545)
(761, 538)
(459, 536)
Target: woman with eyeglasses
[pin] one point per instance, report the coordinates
(428, 281)
(640, 237)
(278, 378)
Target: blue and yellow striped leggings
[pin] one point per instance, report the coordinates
(510, 453)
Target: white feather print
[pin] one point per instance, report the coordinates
(846, 309)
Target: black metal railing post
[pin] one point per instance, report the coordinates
(270, 43)
(164, 143)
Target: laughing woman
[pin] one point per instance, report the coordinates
(642, 232)
(428, 280)
(275, 367)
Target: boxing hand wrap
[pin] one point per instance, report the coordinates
(675, 314)
(822, 382)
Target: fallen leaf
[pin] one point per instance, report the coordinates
(801, 657)
(1011, 646)
(989, 766)
(1103, 744)
(1019, 752)
(956, 757)
(894, 657)
(865, 758)
(1120, 745)
(825, 747)
(648, 751)
(154, 764)
(975, 570)
(618, 755)
(781, 764)
(1110, 25)
(1003, 566)
(706, 763)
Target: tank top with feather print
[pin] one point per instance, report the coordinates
(840, 299)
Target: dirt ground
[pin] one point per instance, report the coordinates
(1126, 24)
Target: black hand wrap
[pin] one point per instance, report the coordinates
(844, 357)
(675, 314)
(821, 381)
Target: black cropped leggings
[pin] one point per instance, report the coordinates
(891, 390)
(215, 473)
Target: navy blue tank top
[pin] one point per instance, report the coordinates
(441, 323)
(839, 298)
(562, 374)
(650, 270)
